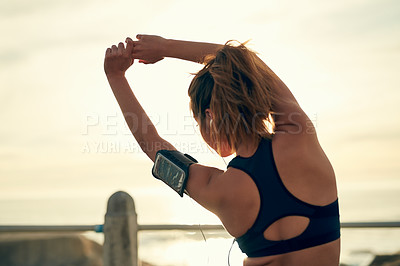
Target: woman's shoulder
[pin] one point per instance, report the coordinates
(304, 168)
(241, 201)
(290, 118)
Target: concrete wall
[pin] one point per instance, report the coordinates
(49, 249)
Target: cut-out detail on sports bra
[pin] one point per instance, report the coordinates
(277, 202)
(286, 228)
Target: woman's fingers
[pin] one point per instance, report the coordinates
(114, 49)
(121, 48)
(129, 46)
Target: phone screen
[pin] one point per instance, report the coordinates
(167, 171)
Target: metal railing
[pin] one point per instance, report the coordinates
(155, 227)
(120, 229)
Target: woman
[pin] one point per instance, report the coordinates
(278, 196)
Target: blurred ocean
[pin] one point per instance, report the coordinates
(366, 202)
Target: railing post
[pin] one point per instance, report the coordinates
(120, 231)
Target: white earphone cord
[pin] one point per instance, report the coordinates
(202, 233)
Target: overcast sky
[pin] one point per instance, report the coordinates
(62, 130)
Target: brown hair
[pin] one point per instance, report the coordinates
(240, 91)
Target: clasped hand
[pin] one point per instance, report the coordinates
(148, 49)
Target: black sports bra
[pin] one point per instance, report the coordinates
(277, 202)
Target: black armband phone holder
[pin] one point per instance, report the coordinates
(172, 167)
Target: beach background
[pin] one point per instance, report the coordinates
(65, 148)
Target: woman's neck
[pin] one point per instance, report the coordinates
(247, 147)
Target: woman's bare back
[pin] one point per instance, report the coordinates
(307, 174)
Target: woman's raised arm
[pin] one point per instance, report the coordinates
(203, 183)
(150, 49)
(117, 60)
